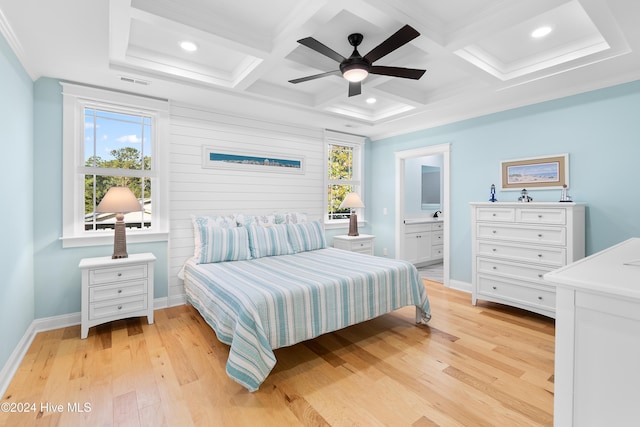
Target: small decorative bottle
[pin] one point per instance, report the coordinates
(564, 196)
(493, 193)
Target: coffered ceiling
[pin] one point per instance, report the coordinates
(479, 55)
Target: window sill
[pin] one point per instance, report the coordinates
(106, 238)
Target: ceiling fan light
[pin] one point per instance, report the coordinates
(355, 75)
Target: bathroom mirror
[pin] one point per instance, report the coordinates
(431, 184)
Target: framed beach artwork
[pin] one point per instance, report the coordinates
(542, 173)
(262, 162)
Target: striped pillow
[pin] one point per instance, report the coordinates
(306, 236)
(220, 244)
(269, 241)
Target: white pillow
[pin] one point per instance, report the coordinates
(307, 236)
(269, 241)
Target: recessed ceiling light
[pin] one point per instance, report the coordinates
(189, 46)
(541, 32)
(371, 100)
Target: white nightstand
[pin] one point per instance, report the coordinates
(362, 243)
(114, 289)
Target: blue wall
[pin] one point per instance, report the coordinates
(16, 211)
(600, 130)
(57, 278)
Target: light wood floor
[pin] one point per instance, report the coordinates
(488, 365)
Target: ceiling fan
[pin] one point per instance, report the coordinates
(357, 67)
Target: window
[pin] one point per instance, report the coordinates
(344, 174)
(112, 139)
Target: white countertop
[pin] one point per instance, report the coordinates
(614, 271)
(422, 220)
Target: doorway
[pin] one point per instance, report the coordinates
(401, 214)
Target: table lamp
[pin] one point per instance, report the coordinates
(119, 200)
(352, 201)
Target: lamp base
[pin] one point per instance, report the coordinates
(353, 225)
(119, 240)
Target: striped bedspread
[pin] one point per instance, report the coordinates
(262, 304)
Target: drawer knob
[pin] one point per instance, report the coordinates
(539, 255)
(539, 235)
(494, 231)
(493, 214)
(494, 287)
(540, 276)
(539, 216)
(494, 267)
(361, 244)
(119, 307)
(119, 274)
(494, 250)
(119, 291)
(540, 298)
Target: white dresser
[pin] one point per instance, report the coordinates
(514, 244)
(362, 243)
(115, 289)
(597, 369)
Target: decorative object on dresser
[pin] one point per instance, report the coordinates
(362, 243)
(119, 200)
(114, 289)
(423, 241)
(524, 196)
(352, 201)
(597, 347)
(515, 244)
(493, 193)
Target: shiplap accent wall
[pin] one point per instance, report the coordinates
(195, 190)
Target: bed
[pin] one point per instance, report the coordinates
(290, 291)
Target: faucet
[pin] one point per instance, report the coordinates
(437, 214)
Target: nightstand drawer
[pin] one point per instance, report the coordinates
(119, 290)
(117, 274)
(111, 309)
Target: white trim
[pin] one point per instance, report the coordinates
(56, 322)
(461, 286)
(75, 97)
(430, 150)
(13, 42)
(358, 145)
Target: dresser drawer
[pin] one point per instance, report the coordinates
(117, 309)
(124, 289)
(417, 228)
(520, 292)
(437, 252)
(117, 274)
(541, 216)
(437, 238)
(527, 234)
(538, 254)
(512, 269)
(496, 214)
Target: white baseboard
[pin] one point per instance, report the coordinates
(56, 322)
(460, 285)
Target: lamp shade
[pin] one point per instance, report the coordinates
(119, 200)
(352, 200)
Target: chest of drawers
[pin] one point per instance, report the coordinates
(515, 244)
(114, 289)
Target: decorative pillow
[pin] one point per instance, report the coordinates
(248, 220)
(306, 236)
(295, 217)
(269, 241)
(223, 244)
(203, 222)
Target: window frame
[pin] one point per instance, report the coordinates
(358, 145)
(75, 99)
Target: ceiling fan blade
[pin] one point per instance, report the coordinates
(314, 44)
(316, 76)
(401, 37)
(407, 73)
(355, 88)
